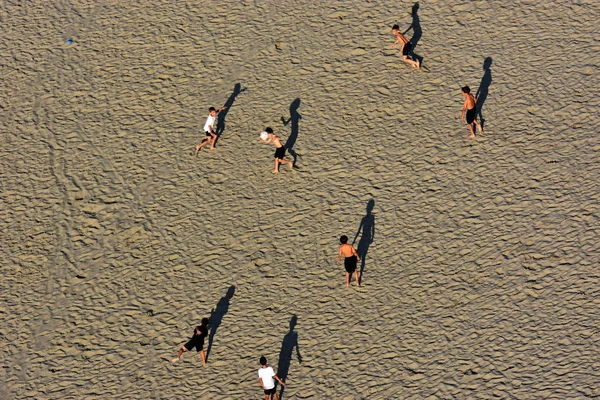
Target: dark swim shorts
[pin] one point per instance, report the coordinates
(197, 343)
(208, 133)
(270, 391)
(280, 152)
(350, 264)
(407, 49)
(471, 115)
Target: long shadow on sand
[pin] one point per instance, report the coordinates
(417, 32)
(482, 92)
(367, 226)
(237, 89)
(295, 118)
(290, 340)
(216, 317)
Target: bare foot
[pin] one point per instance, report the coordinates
(470, 137)
(174, 360)
(275, 171)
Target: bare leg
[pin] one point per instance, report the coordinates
(275, 397)
(347, 279)
(356, 276)
(213, 139)
(407, 60)
(179, 353)
(201, 145)
(472, 130)
(276, 170)
(283, 160)
(203, 357)
(479, 126)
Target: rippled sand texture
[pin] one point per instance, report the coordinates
(481, 270)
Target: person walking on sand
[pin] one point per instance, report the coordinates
(470, 110)
(406, 47)
(350, 259)
(209, 129)
(265, 378)
(279, 150)
(197, 341)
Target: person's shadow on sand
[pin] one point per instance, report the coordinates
(223, 114)
(367, 226)
(417, 32)
(295, 118)
(482, 92)
(290, 340)
(216, 317)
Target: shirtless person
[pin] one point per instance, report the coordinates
(279, 150)
(470, 110)
(406, 47)
(351, 257)
(209, 129)
(197, 341)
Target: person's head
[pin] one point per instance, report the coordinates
(395, 28)
(269, 131)
(212, 111)
(204, 322)
(263, 361)
(344, 239)
(466, 89)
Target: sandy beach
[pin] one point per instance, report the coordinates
(480, 256)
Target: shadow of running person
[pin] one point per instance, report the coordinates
(216, 317)
(417, 33)
(290, 340)
(367, 226)
(223, 114)
(482, 91)
(295, 118)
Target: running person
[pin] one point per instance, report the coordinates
(279, 150)
(470, 111)
(209, 129)
(406, 48)
(350, 259)
(197, 341)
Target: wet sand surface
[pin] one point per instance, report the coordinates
(480, 256)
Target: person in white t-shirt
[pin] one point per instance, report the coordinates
(265, 377)
(209, 129)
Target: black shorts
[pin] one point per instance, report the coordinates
(350, 264)
(208, 134)
(270, 391)
(406, 50)
(471, 115)
(198, 344)
(280, 152)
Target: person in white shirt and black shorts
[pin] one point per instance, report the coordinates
(265, 377)
(209, 129)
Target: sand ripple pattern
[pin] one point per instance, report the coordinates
(481, 269)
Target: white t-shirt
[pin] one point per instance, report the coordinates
(210, 123)
(267, 374)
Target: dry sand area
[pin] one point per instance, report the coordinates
(481, 257)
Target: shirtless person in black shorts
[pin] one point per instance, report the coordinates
(196, 341)
(350, 259)
(279, 150)
(470, 110)
(406, 47)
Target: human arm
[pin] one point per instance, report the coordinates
(261, 383)
(355, 253)
(221, 109)
(339, 255)
(279, 380)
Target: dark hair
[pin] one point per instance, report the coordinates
(268, 130)
(466, 89)
(263, 360)
(396, 27)
(344, 239)
(211, 109)
(204, 322)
